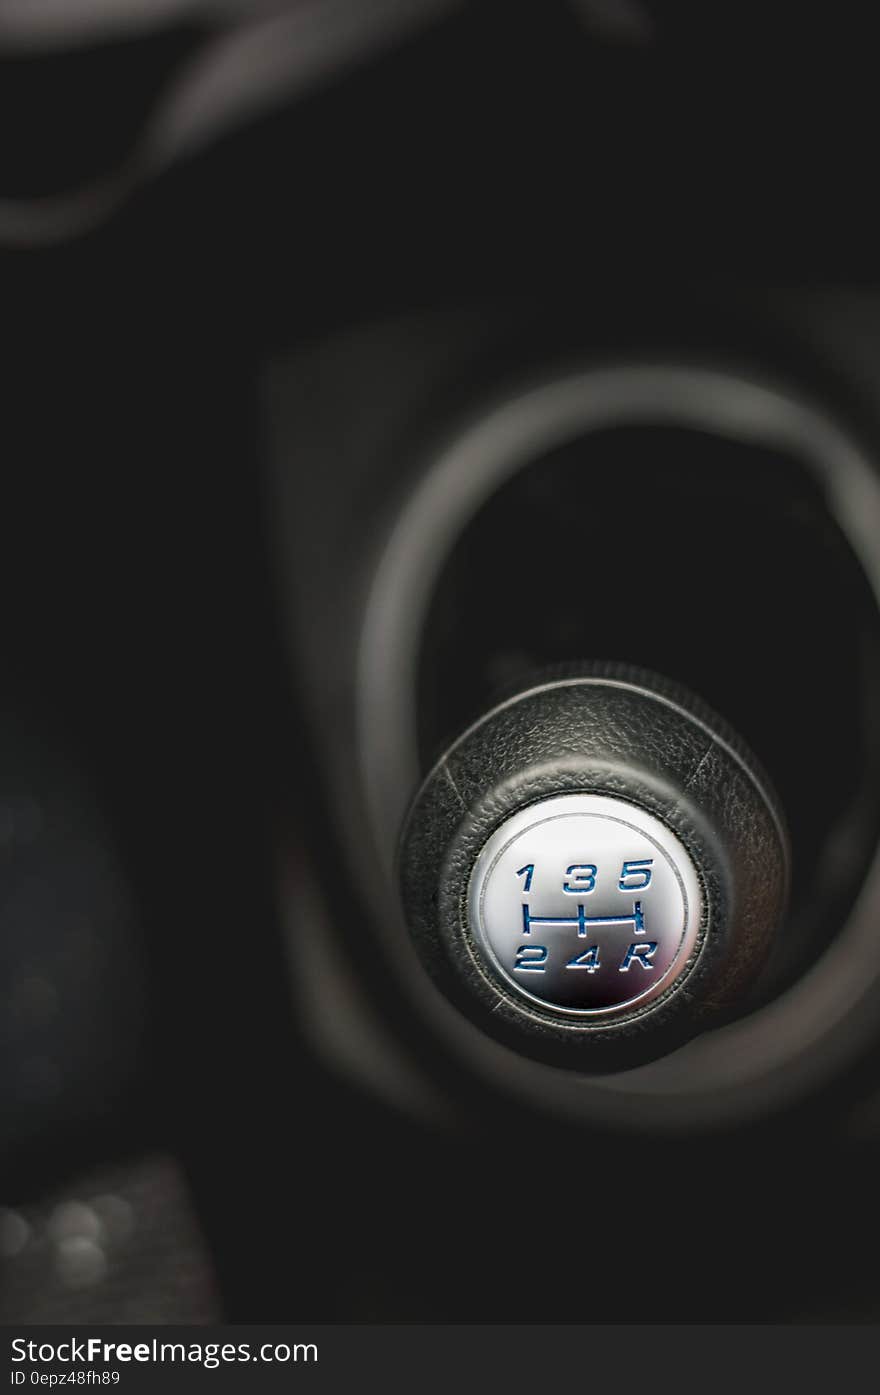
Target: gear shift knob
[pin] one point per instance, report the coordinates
(595, 869)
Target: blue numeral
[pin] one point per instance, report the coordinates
(589, 960)
(641, 871)
(583, 879)
(530, 959)
(528, 871)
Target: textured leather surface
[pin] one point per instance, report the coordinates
(605, 733)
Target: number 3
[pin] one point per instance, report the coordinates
(583, 879)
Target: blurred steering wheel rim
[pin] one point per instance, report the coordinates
(255, 58)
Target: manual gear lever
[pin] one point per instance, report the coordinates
(596, 868)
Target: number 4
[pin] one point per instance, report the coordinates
(589, 960)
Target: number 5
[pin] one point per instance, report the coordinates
(641, 871)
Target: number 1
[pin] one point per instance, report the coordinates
(528, 872)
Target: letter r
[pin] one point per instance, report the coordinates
(641, 953)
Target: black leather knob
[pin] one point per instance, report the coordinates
(596, 869)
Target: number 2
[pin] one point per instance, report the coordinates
(531, 959)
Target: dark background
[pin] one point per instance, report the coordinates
(507, 159)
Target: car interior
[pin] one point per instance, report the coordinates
(440, 709)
